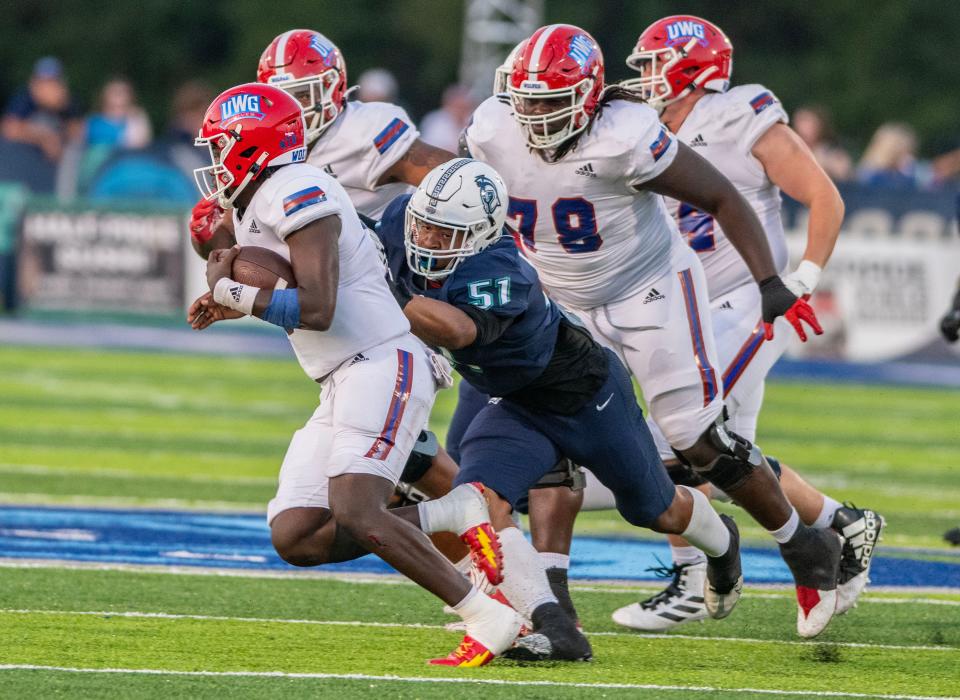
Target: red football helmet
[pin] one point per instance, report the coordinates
(248, 128)
(678, 54)
(311, 68)
(560, 66)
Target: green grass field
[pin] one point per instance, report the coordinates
(121, 429)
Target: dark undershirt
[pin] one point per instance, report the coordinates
(574, 375)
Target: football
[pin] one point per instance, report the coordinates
(261, 267)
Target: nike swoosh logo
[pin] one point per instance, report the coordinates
(601, 406)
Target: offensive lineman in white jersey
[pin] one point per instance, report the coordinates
(377, 380)
(584, 173)
(685, 64)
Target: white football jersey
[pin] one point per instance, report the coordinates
(363, 142)
(592, 237)
(723, 128)
(366, 313)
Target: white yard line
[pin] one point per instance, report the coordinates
(616, 587)
(403, 625)
(483, 681)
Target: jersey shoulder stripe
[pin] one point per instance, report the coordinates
(762, 101)
(660, 145)
(303, 199)
(393, 131)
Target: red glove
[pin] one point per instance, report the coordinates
(204, 219)
(777, 300)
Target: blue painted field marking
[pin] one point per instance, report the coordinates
(241, 541)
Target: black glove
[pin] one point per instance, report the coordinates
(776, 300)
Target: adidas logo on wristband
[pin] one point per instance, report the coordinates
(236, 292)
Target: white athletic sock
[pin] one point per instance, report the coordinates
(463, 566)
(452, 513)
(687, 555)
(830, 508)
(554, 560)
(706, 531)
(524, 579)
(785, 533)
(487, 620)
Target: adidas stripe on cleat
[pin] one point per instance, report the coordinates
(681, 601)
(861, 530)
(470, 654)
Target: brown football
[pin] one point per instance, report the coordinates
(261, 267)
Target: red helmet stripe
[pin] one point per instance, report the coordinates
(281, 58)
(534, 66)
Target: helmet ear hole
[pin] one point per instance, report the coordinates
(248, 152)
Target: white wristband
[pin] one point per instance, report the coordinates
(804, 279)
(236, 296)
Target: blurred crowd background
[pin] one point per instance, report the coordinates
(104, 103)
(101, 103)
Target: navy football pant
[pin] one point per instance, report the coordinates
(470, 402)
(509, 448)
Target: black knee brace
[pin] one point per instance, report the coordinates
(564, 473)
(774, 465)
(738, 458)
(684, 475)
(421, 457)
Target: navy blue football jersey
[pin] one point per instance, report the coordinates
(497, 280)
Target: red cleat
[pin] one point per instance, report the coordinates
(485, 551)
(470, 654)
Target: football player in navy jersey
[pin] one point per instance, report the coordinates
(467, 290)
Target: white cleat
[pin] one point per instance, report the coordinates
(815, 609)
(681, 601)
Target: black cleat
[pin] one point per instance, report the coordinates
(860, 530)
(724, 576)
(814, 560)
(554, 638)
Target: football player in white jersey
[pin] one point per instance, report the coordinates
(374, 151)
(377, 380)
(685, 64)
(585, 168)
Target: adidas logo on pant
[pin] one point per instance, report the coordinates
(698, 141)
(653, 295)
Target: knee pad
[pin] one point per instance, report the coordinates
(737, 460)
(682, 417)
(421, 457)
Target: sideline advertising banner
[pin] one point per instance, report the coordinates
(101, 259)
(891, 277)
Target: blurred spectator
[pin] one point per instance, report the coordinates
(121, 122)
(946, 166)
(43, 113)
(890, 161)
(377, 85)
(814, 126)
(442, 127)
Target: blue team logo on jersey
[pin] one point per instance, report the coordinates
(488, 194)
(581, 49)
(241, 106)
(322, 47)
(682, 31)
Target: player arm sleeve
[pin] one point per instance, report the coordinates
(490, 326)
(653, 153)
(761, 111)
(393, 134)
(302, 202)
